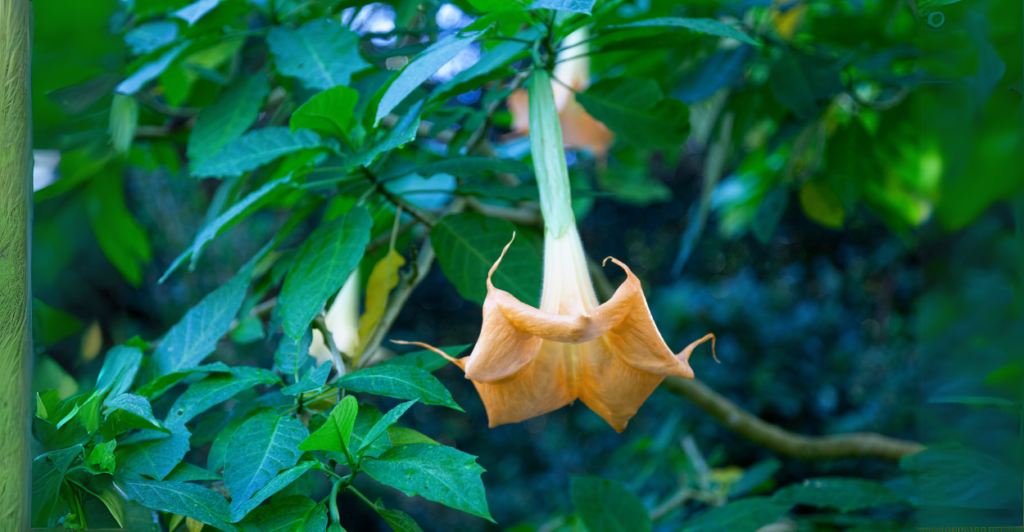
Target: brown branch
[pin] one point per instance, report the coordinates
(757, 430)
(782, 441)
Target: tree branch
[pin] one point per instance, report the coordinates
(755, 429)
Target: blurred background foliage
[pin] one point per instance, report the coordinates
(838, 208)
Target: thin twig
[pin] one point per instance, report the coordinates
(339, 364)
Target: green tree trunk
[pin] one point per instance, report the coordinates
(15, 293)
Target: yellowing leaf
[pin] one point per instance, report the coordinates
(193, 525)
(383, 278)
(821, 204)
(92, 341)
(788, 19)
(726, 475)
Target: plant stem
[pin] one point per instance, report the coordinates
(15, 260)
(361, 496)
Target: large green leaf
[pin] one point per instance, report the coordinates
(122, 239)
(607, 507)
(182, 498)
(186, 472)
(226, 220)
(228, 118)
(744, 515)
(404, 131)
(295, 513)
(323, 264)
(473, 167)
(398, 520)
(955, 476)
(843, 494)
(573, 6)
(496, 57)
(334, 435)
(155, 388)
(254, 149)
(143, 39)
(382, 425)
(637, 111)
(152, 453)
(240, 508)
(215, 389)
(126, 412)
(707, 26)
(328, 113)
(261, 448)
(367, 419)
(149, 71)
(194, 337)
(468, 244)
(424, 65)
(312, 381)
(220, 449)
(426, 359)
(437, 472)
(322, 53)
(400, 381)
(48, 472)
(118, 372)
(196, 10)
(292, 353)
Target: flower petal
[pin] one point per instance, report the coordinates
(636, 340)
(538, 388)
(610, 387)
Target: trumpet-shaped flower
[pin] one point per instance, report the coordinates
(342, 321)
(530, 361)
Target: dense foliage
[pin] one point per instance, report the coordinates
(812, 182)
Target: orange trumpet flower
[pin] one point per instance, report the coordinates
(529, 361)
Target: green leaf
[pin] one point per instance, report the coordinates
(424, 65)
(322, 54)
(196, 10)
(48, 472)
(126, 412)
(118, 372)
(754, 477)
(468, 244)
(398, 520)
(191, 500)
(240, 508)
(101, 458)
(156, 454)
(404, 436)
(955, 476)
(262, 447)
(248, 205)
(291, 355)
(328, 113)
(194, 337)
(323, 264)
(249, 330)
(186, 472)
(399, 381)
(219, 451)
(254, 149)
(843, 494)
(214, 390)
(792, 88)
(149, 71)
(707, 26)
(335, 434)
(228, 118)
(380, 428)
(607, 507)
(151, 36)
(573, 6)
(122, 239)
(496, 57)
(769, 213)
(426, 359)
(473, 167)
(821, 204)
(637, 111)
(313, 381)
(367, 419)
(295, 513)
(156, 387)
(436, 472)
(747, 514)
(51, 325)
(403, 132)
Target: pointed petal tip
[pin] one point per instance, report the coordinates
(497, 262)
